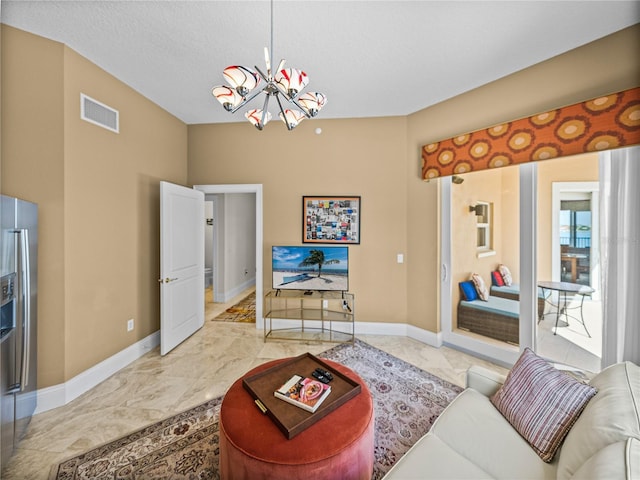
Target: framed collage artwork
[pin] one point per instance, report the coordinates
(331, 219)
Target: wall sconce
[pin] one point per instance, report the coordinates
(481, 210)
(457, 180)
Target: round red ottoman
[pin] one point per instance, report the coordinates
(339, 446)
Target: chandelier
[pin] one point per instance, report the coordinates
(246, 84)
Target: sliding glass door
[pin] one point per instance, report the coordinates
(540, 222)
(480, 238)
(570, 328)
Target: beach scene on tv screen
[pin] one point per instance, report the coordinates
(310, 268)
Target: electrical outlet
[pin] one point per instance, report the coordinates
(129, 324)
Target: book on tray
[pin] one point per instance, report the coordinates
(303, 392)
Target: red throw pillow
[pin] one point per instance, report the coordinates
(497, 279)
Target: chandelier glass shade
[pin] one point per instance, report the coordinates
(242, 79)
(312, 102)
(291, 118)
(258, 118)
(245, 84)
(291, 80)
(227, 97)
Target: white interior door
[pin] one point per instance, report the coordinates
(181, 264)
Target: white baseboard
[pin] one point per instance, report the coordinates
(59, 395)
(229, 294)
(400, 329)
(371, 328)
(425, 336)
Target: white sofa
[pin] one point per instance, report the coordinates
(472, 440)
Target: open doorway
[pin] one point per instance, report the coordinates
(230, 244)
(209, 208)
(234, 256)
(575, 233)
(575, 239)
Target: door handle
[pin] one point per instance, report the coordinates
(25, 307)
(167, 280)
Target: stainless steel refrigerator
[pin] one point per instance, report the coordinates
(18, 328)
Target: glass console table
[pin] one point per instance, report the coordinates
(319, 316)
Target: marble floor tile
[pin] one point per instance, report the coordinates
(203, 367)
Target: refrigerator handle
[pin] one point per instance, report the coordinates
(26, 305)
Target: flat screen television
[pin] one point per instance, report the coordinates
(310, 268)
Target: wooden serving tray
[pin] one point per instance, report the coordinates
(290, 419)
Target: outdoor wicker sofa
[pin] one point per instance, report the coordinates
(496, 318)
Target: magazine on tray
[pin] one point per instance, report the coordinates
(303, 392)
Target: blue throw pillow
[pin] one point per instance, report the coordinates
(468, 290)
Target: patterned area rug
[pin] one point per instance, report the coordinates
(407, 400)
(243, 311)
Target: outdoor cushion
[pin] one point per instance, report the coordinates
(513, 289)
(499, 305)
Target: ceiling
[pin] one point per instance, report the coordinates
(371, 58)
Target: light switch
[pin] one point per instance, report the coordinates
(400, 258)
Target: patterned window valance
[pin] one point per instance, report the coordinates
(603, 123)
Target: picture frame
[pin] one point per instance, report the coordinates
(331, 219)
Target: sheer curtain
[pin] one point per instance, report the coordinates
(620, 254)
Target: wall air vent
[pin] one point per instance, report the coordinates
(99, 114)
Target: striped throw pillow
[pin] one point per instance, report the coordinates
(541, 402)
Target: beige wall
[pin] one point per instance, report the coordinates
(112, 213)
(350, 157)
(510, 220)
(98, 199)
(33, 169)
(98, 192)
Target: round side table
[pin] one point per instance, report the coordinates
(339, 446)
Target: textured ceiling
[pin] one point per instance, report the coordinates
(371, 58)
